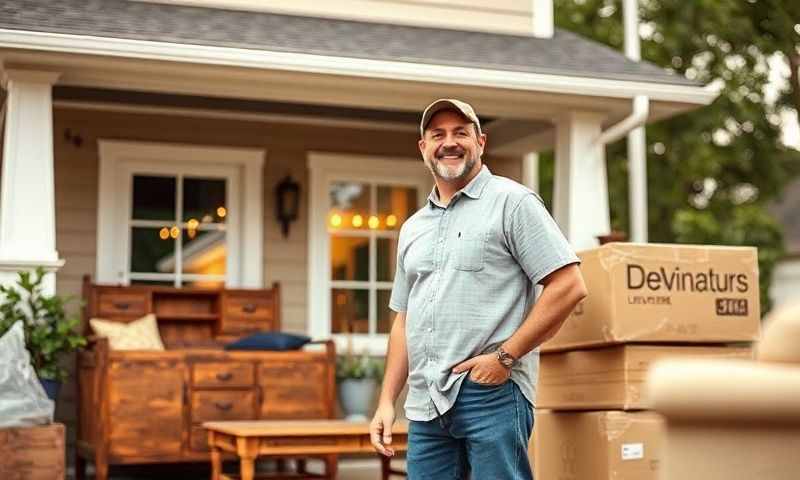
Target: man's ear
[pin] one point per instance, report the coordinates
(421, 144)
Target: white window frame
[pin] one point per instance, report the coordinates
(323, 169)
(243, 167)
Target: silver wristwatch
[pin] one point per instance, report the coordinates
(506, 359)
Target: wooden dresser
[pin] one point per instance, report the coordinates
(148, 406)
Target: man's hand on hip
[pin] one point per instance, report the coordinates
(485, 369)
(380, 430)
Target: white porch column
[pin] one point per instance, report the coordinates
(27, 199)
(580, 194)
(530, 171)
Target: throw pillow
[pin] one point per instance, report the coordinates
(269, 341)
(141, 334)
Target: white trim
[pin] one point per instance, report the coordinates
(242, 166)
(234, 115)
(324, 168)
(358, 67)
(542, 11)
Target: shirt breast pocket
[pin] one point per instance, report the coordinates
(471, 251)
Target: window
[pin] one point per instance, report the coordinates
(358, 205)
(178, 227)
(179, 215)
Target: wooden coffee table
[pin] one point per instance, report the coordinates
(250, 439)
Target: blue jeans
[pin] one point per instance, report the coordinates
(484, 436)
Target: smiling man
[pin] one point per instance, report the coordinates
(468, 326)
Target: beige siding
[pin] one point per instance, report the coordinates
(503, 16)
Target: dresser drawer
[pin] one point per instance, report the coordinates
(247, 306)
(292, 373)
(121, 304)
(235, 374)
(223, 405)
(300, 401)
(243, 325)
(198, 440)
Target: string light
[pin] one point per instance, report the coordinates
(163, 233)
(391, 221)
(373, 222)
(336, 220)
(358, 221)
(174, 232)
(221, 212)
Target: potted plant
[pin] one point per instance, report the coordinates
(357, 377)
(49, 332)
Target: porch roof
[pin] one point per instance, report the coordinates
(566, 54)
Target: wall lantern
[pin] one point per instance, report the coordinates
(287, 203)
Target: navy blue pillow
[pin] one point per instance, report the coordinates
(269, 341)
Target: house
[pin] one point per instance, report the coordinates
(144, 140)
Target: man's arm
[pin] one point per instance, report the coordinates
(394, 379)
(562, 291)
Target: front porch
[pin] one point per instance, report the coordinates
(327, 128)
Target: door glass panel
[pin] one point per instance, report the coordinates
(204, 252)
(350, 206)
(153, 198)
(349, 258)
(387, 259)
(395, 205)
(349, 311)
(385, 314)
(204, 200)
(153, 249)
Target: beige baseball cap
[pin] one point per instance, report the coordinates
(448, 104)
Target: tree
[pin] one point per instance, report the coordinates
(711, 172)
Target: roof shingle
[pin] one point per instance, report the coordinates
(564, 54)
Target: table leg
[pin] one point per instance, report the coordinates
(216, 457)
(247, 449)
(247, 468)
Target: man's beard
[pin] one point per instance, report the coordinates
(451, 173)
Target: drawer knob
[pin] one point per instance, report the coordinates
(249, 308)
(224, 406)
(224, 376)
(122, 305)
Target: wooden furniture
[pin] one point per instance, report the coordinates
(251, 439)
(138, 407)
(32, 453)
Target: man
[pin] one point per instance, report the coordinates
(466, 329)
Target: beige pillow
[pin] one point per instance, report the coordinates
(141, 334)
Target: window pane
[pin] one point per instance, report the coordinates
(349, 311)
(153, 249)
(387, 258)
(205, 252)
(204, 200)
(153, 198)
(395, 205)
(385, 314)
(349, 258)
(204, 283)
(350, 205)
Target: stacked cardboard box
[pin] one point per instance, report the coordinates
(646, 302)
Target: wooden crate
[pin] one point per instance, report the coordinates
(32, 453)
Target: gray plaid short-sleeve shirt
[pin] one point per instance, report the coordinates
(465, 278)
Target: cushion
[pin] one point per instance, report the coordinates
(269, 341)
(141, 334)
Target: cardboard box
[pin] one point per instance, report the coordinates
(597, 445)
(32, 453)
(611, 378)
(664, 293)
